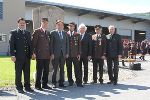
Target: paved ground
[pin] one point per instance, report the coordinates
(137, 88)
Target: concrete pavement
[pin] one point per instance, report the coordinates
(137, 88)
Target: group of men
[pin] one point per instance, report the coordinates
(73, 48)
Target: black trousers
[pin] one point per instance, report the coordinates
(84, 61)
(22, 65)
(77, 70)
(58, 62)
(42, 71)
(98, 63)
(112, 64)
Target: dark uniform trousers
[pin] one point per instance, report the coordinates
(84, 61)
(86, 50)
(74, 51)
(20, 47)
(112, 63)
(58, 62)
(42, 68)
(77, 70)
(22, 65)
(41, 47)
(98, 63)
(98, 50)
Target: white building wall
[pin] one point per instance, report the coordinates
(11, 13)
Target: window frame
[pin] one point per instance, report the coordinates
(4, 38)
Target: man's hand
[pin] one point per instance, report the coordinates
(52, 56)
(119, 56)
(89, 57)
(78, 57)
(33, 56)
(103, 57)
(13, 58)
(67, 55)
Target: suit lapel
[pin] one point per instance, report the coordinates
(84, 37)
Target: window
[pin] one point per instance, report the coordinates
(3, 37)
(1, 9)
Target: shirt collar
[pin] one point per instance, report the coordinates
(20, 29)
(71, 33)
(82, 34)
(59, 31)
(99, 35)
(43, 29)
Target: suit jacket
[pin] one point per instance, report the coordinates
(59, 45)
(98, 46)
(114, 45)
(74, 44)
(20, 44)
(143, 48)
(86, 47)
(143, 45)
(41, 44)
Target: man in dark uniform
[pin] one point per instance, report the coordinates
(41, 47)
(60, 51)
(86, 49)
(114, 48)
(74, 56)
(98, 53)
(21, 51)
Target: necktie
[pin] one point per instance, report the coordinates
(71, 33)
(21, 31)
(81, 37)
(60, 35)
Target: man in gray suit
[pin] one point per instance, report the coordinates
(60, 50)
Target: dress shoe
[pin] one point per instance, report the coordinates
(115, 83)
(93, 82)
(21, 91)
(85, 82)
(39, 88)
(46, 87)
(80, 85)
(62, 85)
(110, 82)
(70, 84)
(101, 81)
(29, 89)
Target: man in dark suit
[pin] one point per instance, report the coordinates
(114, 48)
(98, 53)
(74, 56)
(21, 51)
(86, 49)
(41, 51)
(60, 51)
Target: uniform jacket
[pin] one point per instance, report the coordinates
(20, 44)
(41, 44)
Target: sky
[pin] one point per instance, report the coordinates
(119, 6)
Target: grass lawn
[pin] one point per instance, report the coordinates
(7, 71)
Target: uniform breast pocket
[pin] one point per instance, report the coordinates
(17, 38)
(42, 36)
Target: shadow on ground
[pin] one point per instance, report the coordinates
(90, 91)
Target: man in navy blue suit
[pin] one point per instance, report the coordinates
(86, 50)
